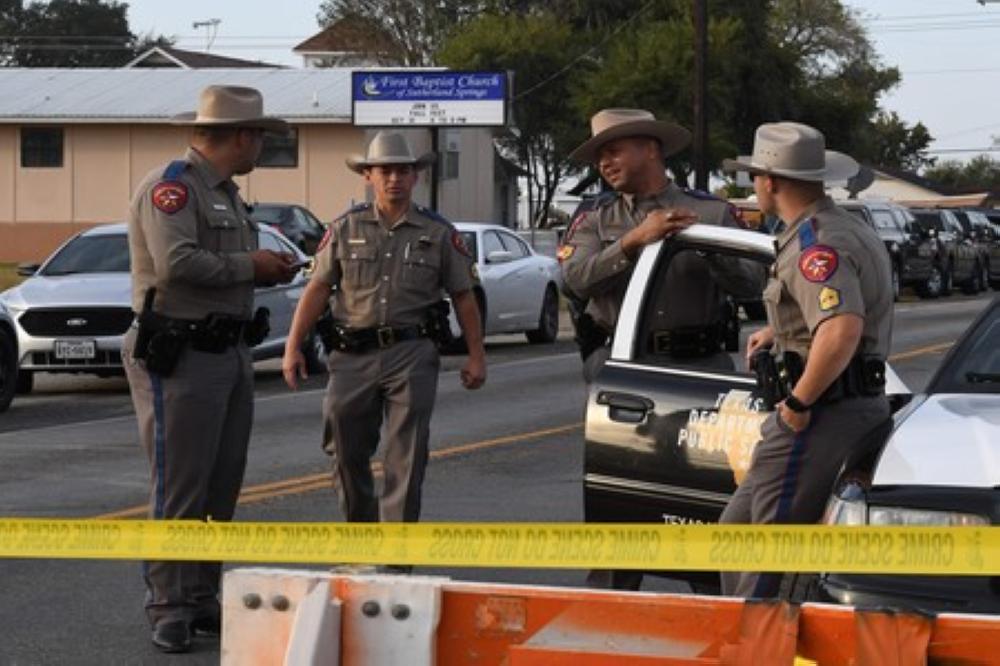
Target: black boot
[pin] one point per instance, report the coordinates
(172, 636)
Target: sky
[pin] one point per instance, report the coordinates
(948, 52)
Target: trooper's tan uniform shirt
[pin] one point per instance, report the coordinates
(391, 277)
(205, 242)
(829, 263)
(595, 266)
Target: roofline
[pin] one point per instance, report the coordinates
(147, 120)
(145, 54)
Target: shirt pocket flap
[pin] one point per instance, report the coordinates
(357, 253)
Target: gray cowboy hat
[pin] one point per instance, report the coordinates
(610, 124)
(388, 147)
(795, 151)
(231, 106)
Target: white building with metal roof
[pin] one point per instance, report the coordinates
(74, 143)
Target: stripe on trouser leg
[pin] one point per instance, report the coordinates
(159, 445)
(768, 584)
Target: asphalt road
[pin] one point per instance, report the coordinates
(511, 451)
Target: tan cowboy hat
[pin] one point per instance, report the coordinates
(237, 106)
(388, 147)
(609, 124)
(795, 151)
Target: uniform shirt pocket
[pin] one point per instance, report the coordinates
(358, 265)
(422, 263)
(224, 232)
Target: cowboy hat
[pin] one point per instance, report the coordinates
(231, 106)
(610, 124)
(795, 151)
(388, 147)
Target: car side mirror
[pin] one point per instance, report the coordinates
(499, 257)
(27, 270)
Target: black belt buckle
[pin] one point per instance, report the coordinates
(385, 336)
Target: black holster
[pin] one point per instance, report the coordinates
(157, 344)
(589, 336)
(439, 326)
(769, 388)
(258, 328)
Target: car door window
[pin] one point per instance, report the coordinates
(517, 248)
(883, 220)
(697, 311)
(492, 243)
(469, 237)
(271, 242)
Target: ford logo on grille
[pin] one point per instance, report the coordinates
(76, 321)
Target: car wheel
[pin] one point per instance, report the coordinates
(946, 285)
(8, 371)
(25, 381)
(548, 319)
(974, 284)
(315, 354)
(931, 288)
(895, 282)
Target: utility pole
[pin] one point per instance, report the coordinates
(211, 30)
(700, 95)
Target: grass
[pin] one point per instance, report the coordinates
(8, 276)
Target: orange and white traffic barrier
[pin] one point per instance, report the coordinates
(310, 618)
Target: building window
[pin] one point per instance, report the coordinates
(449, 156)
(280, 151)
(42, 147)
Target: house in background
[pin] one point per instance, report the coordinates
(351, 42)
(170, 57)
(74, 144)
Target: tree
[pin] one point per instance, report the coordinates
(543, 52)
(67, 33)
(890, 142)
(417, 27)
(981, 173)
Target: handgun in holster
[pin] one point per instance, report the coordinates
(258, 328)
(589, 335)
(156, 343)
(765, 368)
(439, 325)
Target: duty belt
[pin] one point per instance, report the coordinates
(360, 340)
(214, 334)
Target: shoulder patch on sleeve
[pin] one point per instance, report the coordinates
(565, 252)
(169, 196)
(818, 263)
(829, 299)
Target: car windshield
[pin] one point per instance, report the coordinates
(273, 215)
(929, 221)
(105, 253)
(974, 367)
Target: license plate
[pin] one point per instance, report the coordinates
(75, 349)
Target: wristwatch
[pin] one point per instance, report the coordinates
(796, 405)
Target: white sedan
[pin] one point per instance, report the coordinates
(519, 288)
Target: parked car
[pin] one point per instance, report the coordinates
(993, 232)
(295, 222)
(8, 358)
(518, 288)
(956, 260)
(911, 251)
(665, 441)
(977, 230)
(71, 312)
(937, 468)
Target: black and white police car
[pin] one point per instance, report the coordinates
(669, 443)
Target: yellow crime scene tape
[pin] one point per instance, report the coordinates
(781, 548)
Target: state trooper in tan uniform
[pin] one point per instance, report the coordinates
(194, 263)
(600, 249)
(829, 309)
(383, 267)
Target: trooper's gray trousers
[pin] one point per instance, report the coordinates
(792, 474)
(397, 384)
(195, 428)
